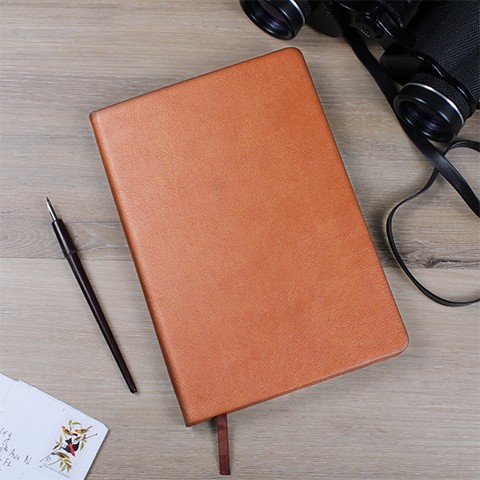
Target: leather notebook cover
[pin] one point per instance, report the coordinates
(256, 263)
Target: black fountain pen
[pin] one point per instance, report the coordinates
(70, 252)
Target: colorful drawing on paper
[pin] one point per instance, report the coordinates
(71, 441)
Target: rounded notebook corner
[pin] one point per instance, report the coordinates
(92, 117)
(403, 344)
(295, 51)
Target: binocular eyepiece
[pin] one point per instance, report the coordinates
(282, 19)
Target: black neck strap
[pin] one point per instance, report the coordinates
(441, 164)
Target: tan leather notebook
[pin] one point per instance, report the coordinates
(255, 261)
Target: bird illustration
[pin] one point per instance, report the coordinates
(71, 447)
(63, 456)
(66, 431)
(81, 431)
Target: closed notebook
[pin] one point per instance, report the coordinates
(256, 263)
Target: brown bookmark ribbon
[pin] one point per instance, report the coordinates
(223, 450)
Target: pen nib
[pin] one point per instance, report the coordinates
(51, 210)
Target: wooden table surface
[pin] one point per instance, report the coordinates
(412, 417)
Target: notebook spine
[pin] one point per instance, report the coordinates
(132, 244)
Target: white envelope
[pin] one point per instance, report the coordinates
(42, 437)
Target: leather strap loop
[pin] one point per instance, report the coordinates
(438, 159)
(391, 238)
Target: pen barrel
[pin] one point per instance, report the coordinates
(63, 237)
(82, 279)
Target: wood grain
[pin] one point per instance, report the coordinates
(416, 416)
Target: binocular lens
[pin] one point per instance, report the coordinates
(429, 112)
(424, 115)
(271, 10)
(280, 18)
